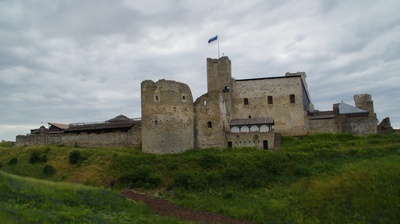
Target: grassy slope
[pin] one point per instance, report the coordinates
(28, 200)
(314, 179)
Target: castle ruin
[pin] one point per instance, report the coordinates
(232, 113)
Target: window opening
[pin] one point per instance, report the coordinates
(246, 101)
(270, 100)
(209, 124)
(292, 98)
(204, 102)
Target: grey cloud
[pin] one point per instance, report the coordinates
(77, 61)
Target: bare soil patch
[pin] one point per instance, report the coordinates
(166, 208)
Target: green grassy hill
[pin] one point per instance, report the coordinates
(29, 200)
(323, 178)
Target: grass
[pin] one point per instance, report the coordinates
(324, 178)
(28, 200)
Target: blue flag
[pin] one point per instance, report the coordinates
(213, 39)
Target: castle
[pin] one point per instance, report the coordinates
(232, 113)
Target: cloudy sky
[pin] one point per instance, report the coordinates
(83, 60)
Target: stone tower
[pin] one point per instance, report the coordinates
(364, 101)
(167, 117)
(219, 74)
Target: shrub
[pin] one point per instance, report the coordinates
(190, 181)
(74, 157)
(43, 159)
(13, 161)
(301, 170)
(209, 160)
(145, 177)
(35, 157)
(49, 170)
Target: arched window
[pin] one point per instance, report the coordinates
(270, 100)
(209, 124)
(292, 98)
(183, 97)
(204, 102)
(156, 98)
(246, 101)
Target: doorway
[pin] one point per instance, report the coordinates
(265, 144)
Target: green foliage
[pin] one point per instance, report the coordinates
(284, 186)
(26, 200)
(74, 157)
(49, 170)
(144, 176)
(35, 157)
(7, 144)
(210, 160)
(190, 181)
(13, 161)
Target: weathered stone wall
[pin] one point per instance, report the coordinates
(210, 120)
(167, 117)
(219, 74)
(364, 101)
(322, 126)
(251, 139)
(357, 125)
(288, 116)
(23, 140)
(130, 138)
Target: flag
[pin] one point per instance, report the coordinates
(213, 39)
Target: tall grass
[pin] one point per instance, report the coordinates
(28, 200)
(324, 178)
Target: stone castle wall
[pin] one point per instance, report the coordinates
(26, 140)
(322, 126)
(210, 121)
(252, 139)
(131, 138)
(109, 139)
(287, 115)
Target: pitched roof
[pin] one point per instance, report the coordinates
(119, 122)
(348, 109)
(120, 118)
(252, 121)
(60, 126)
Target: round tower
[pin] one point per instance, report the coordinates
(167, 117)
(364, 101)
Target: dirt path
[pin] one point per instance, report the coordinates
(167, 208)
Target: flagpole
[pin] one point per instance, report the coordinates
(218, 47)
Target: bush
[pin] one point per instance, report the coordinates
(209, 160)
(35, 157)
(13, 161)
(43, 159)
(49, 170)
(145, 177)
(74, 157)
(190, 181)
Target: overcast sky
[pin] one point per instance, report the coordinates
(83, 60)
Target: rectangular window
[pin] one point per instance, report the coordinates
(246, 101)
(270, 100)
(292, 98)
